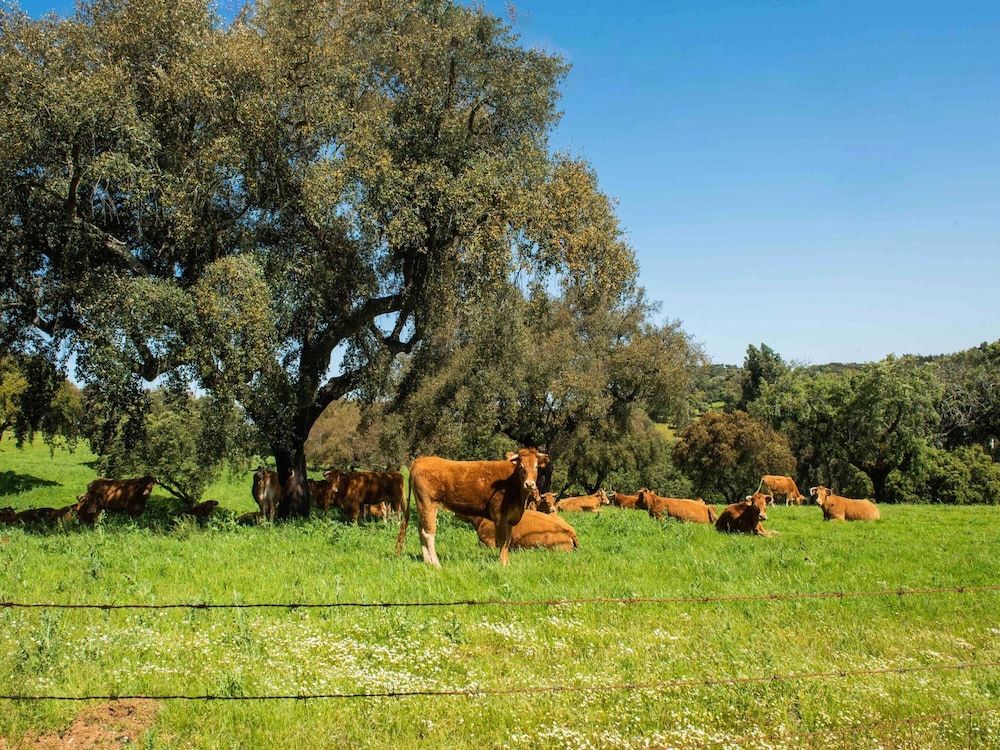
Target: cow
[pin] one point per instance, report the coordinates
(116, 496)
(776, 486)
(322, 491)
(266, 492)
(533, 530)
(836, 508)
(745, 517)
(542, 503)
(622, 500)
(583, 503)
(355, 491)
(202, 510)
(498, 490)
(249, 519)
(8, 515)
(37, 515)
(682, 509)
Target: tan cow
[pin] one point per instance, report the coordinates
(622, 500)
(682, 509)
(837, 508)
(266, 492)
(745, 517)
(542, 503)
(533, 530)
(114, 495)
(583, 503)
(498, 490)
(785, 487)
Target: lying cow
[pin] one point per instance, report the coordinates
(37, 515)
(266, 492)
(498, 490)
(354, 492)
(533, 530)
(115, 496)
(583, 503)
(778, 486)
(836, 508)
(745, 517)
(682, 509)
(543, 503)
(202, 510)
(622, 500)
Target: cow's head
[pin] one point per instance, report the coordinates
(605, 500)
(148, 483)
(8, 515)
(759, 501)
(820, 493)
(546, 503)
(527, 463)
(640, 502)
(334, 477)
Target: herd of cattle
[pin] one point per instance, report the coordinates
(508, 502)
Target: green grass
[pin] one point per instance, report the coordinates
(623, 553)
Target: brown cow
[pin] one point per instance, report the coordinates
(682, 509)
(37, 515)
(116, 496)
(357, 490)
(324, 493)
(533, 530)
(583, 503)
(498, 490)
(745, 517)
(785, 487)
(250, 519)
(625, 501)
(543, 503)
(202, 510)
(8, 515)
(266, 492)
(836, 508)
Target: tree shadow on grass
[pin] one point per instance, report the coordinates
(12, 483)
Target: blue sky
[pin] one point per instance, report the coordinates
(823, 176)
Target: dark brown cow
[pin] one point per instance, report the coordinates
(324, 493)
(782, 486)
(745, 517)
(682, 509)
(8, 515)
(583, 503)
(115, 496)
(357, 490)
(202, 510)
(837, 508)
(250, 519)
(622, 500)
(37, 515)
(533, 530)
(498, 490)
(266, 492)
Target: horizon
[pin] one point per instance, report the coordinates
(823, 178)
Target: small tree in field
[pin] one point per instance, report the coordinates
(729, 453)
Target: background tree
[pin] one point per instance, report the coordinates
(277, 208)
(935, 475)
(969, 407)
(728, 453)
(763, 365)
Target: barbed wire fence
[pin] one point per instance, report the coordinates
(800, 739)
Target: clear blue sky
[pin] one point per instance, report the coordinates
(823, 176)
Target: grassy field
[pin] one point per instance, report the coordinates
(623, 553)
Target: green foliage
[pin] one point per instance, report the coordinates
(728, 453)
(763, 365)
(970, 403)
(962, 476)
(36, 397)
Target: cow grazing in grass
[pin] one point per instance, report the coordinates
(745, 517)
(355, 491)
(266, 492)
(115, 496)
(535, 529)
(681, 509)
(836, 508)
(777, 486)
(622, 500)
(583, 503)
(497, 490)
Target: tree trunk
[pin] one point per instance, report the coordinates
(291, 466)
(878, 477)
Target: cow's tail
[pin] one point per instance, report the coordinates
(405, 522)
(712, 515)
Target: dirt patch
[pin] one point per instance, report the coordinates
(109, 726)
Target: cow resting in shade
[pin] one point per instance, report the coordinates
(837, 508)
(357, 492)
(114, 495)
(497, 490)
(266, 492)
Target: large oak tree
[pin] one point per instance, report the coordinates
(277, 207)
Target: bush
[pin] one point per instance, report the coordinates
(959, 477)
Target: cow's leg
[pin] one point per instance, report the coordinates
(428, 527)
(504, 535)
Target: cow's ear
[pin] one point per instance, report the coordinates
(543, 460)
(513, 457)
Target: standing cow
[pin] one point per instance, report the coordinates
(114, 495)
(777, 486)
(266, 492)
(497, 490)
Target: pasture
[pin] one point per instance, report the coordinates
(623, 553)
